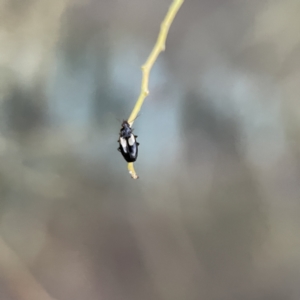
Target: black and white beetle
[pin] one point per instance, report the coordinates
(128, 144)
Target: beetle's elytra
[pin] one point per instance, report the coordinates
(128, 146)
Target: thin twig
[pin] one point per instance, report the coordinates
(159, 46)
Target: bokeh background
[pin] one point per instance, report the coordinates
(215, 214)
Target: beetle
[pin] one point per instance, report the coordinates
(128, 146)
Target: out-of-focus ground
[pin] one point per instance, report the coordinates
(215, 214)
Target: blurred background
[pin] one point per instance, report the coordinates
(215, 214)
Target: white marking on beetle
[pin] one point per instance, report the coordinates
(123, 144)
(131, 140)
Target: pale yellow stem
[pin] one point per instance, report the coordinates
(159, 46)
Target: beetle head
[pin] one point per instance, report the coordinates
(126, 130)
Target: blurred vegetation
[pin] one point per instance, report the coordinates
(219, 221)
